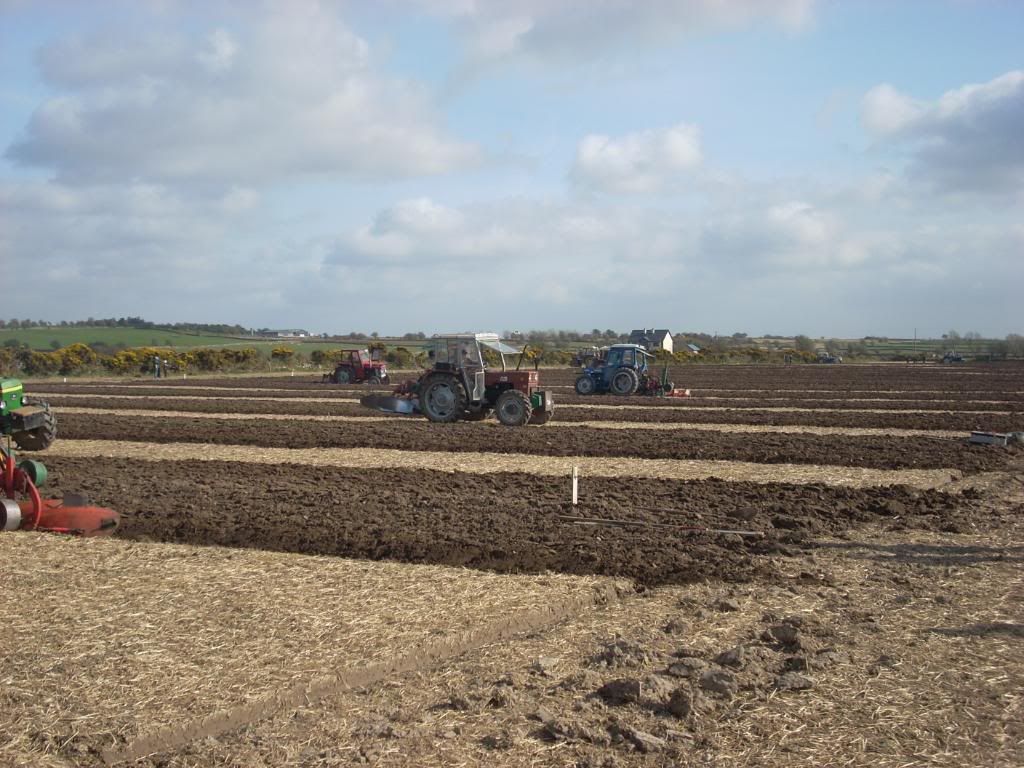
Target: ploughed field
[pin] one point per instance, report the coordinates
(797, 565)
(784, 452)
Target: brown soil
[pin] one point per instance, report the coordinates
(337, 406)
(506, 523)
(418, 434)
(1000, 381)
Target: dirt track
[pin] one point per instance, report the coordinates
(641, 411)
(969, 380)
(419, 434)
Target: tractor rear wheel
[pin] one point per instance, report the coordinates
(624, 382)
(585, 385)
(40, 438)
(442, 398)
(343, 376)
(513, 408)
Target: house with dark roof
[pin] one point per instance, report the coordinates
(652, 338)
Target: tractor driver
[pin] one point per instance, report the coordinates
(467, 358)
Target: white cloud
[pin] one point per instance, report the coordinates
(750, 252)
(886, 111)
(570, 30)
(220, 52)
(969, 140)
(292, 95)
(637, 162)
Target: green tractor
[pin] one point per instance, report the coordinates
(31, 424)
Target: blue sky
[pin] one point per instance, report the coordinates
(799, 166)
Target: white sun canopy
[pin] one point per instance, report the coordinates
(500, 347)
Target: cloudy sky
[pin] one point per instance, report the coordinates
(828, 167)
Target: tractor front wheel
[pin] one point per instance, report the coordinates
(585, 385)
(41, 437)
(624, 382)
(374, 380)
(543, 417)
(513, 408)
(441, 398)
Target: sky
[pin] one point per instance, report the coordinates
(826, 167)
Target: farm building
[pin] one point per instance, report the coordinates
(652, 338)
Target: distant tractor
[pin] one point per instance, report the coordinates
(624, 371)
(585, 357)
(463, 385)
(30, 424)
(359, 366)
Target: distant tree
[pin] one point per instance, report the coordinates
(952, 336)
(804, 343)
(858, 349)
(1015, 345)
(972, 336)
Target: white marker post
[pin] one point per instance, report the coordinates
(575, 486)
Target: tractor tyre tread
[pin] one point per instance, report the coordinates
(633, 386)
(459, 403)
(540, 418)
(588, 385)
(513, 408)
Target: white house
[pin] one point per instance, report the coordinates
(652, 338)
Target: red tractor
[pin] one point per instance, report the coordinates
(463, 385)
(359, 366)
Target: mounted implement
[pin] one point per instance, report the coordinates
(23, 509)
(32, 426)
(624, 371)
(465, 383)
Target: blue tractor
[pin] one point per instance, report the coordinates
(622, 371)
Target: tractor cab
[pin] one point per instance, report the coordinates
(628, 355)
